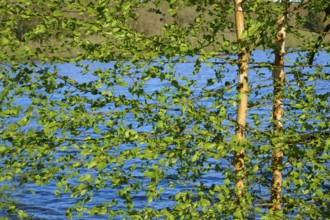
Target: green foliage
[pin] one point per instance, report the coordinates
(81, 136)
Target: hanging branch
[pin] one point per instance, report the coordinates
(321, 37)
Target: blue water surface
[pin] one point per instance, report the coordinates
(43, 204)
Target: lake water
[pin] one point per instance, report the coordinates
(43, 204)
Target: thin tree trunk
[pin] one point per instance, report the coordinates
(278, 81)
(243, 89)
(320, 39)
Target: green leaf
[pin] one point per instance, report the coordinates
(86, 177)
(195, 157)
(2, 149)
(205, 202)
(168, 139)
(319, 193)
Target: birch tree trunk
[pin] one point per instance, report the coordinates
(278, 82)
(243, 59)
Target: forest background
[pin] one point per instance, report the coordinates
(151, 23)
